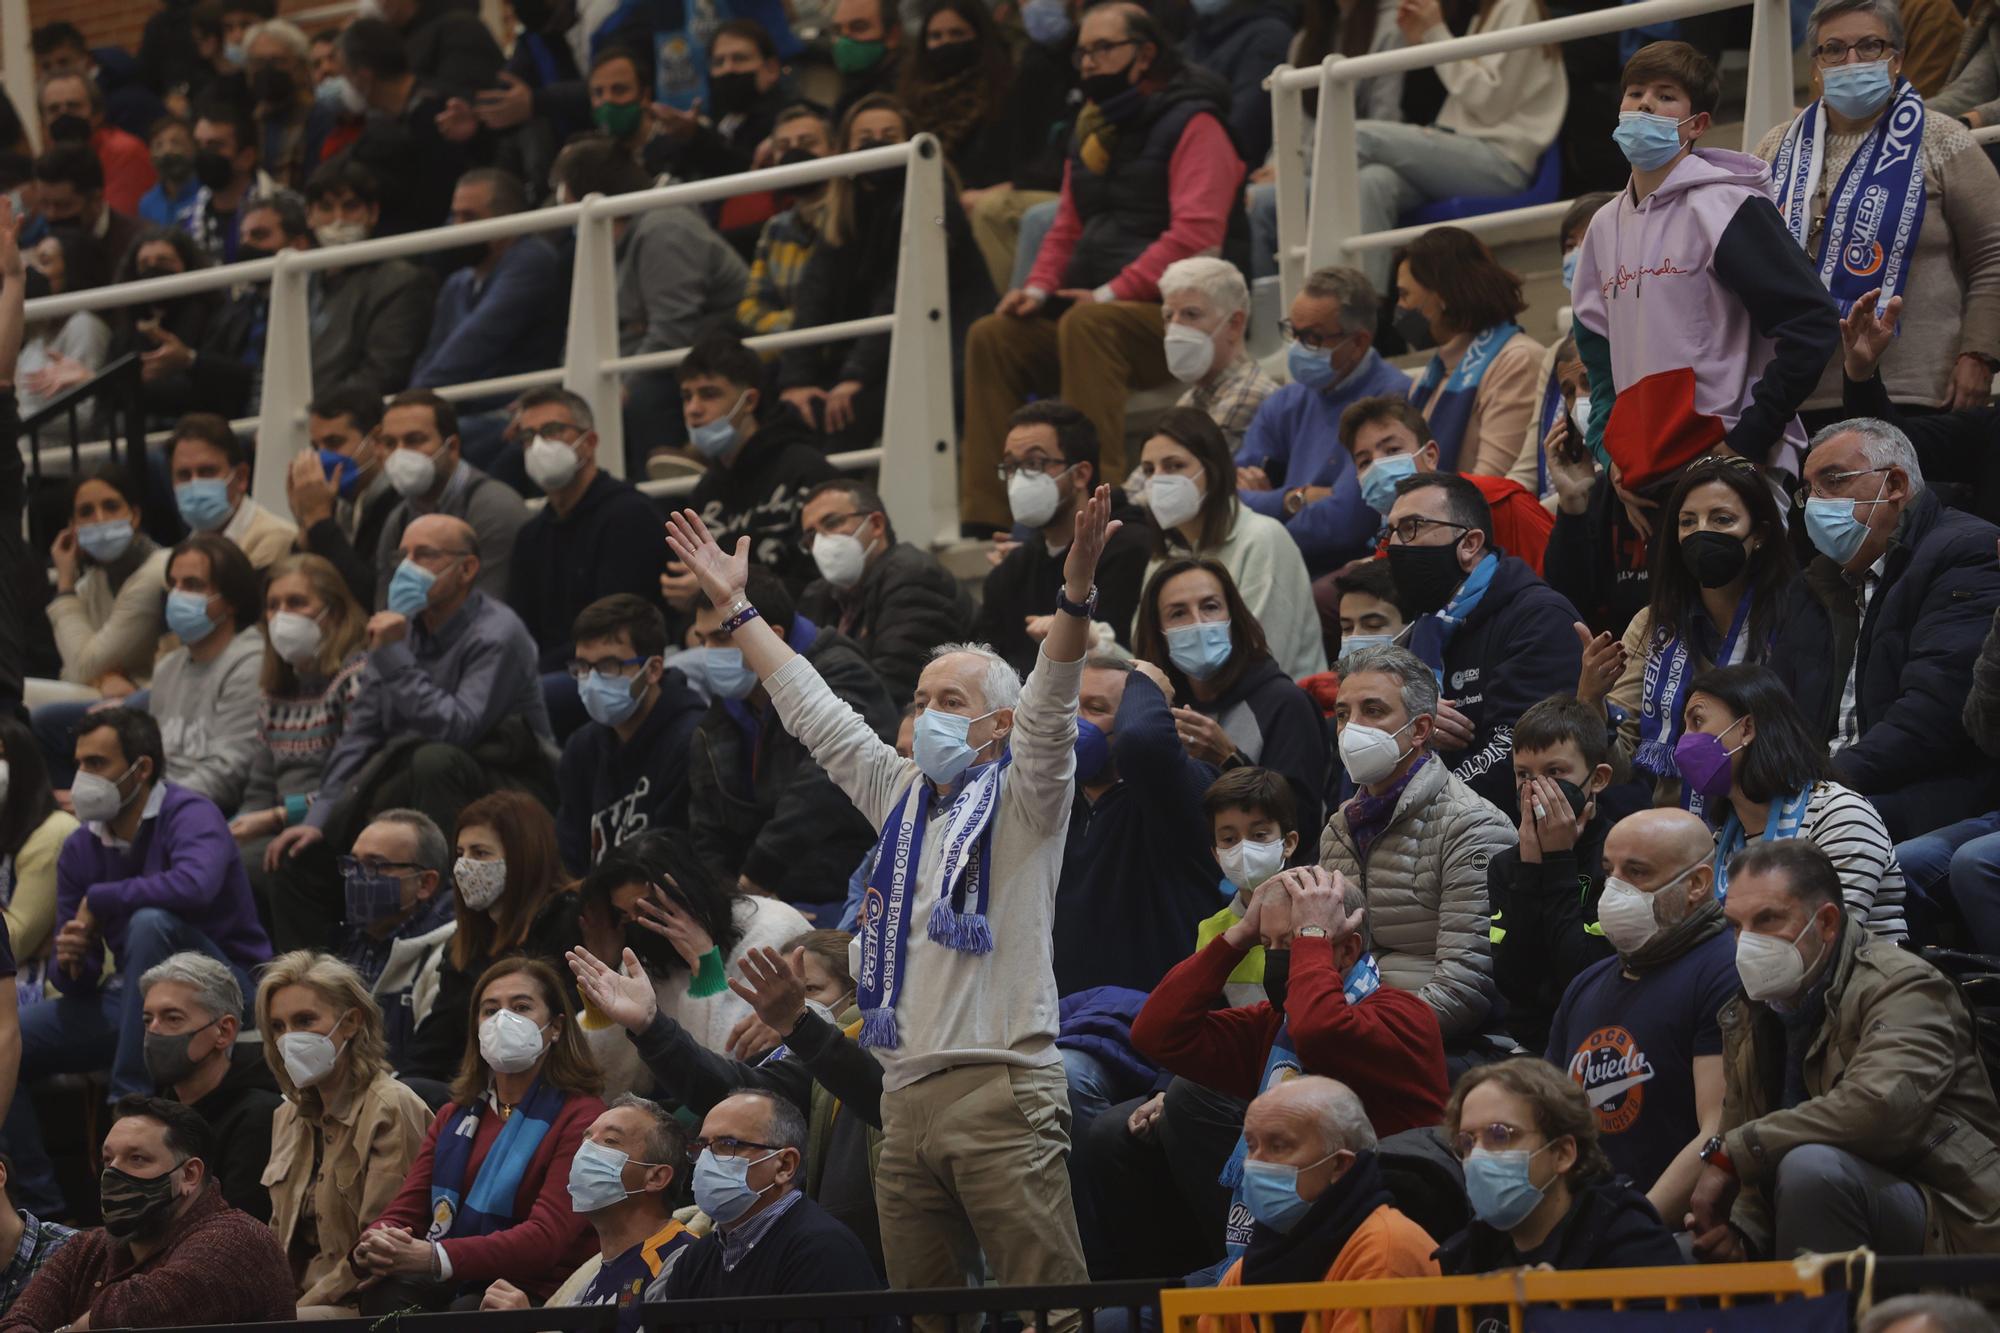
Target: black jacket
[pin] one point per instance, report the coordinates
(1952, 447)
(759, 806)
(905, 605)
(1597, 560)
(1025, 584)
(230, 360)
(1516, 649)
(805, 1251)
(611, 790)
(881, 79)
(707, 151)
(1913, 654)
(239, 1111)
(1289, 731)
(355, 559)
(1041, 105)
(760, 494)
(1243, 44)
(189, 319)
(449, 48)
(613, 541)
(1609, 1225)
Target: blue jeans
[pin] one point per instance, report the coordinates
(1954, 872)
(1263, 211)
(1035, 224)
(87, 1030)
(1403, 166)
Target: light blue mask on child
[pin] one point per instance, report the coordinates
(1378, 484)
(1648, 141)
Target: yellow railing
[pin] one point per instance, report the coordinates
(1208, 1309)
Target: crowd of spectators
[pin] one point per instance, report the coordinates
(1423, 802)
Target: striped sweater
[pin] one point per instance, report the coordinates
(296, 734)
(1842, 823)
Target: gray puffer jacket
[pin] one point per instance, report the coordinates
(1425, 882)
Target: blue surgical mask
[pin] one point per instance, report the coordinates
(609, 700)
(372, 897)
(1569, 267)
(715, 438)
(410, 588)
(1648, 141)
(1498, 1188)
(203, 502)
(1271, 1193)
(727, 676)
(1312, 369)
(1354, 643)
(1093, 750)
(1209, 8)
(1201, 649)
(1859, 90)
(187, 616)
(1378, 483)
(597, 1177)
(342, 471)
(722, 1185)
(105, 542)
(941, 750)
(1047, 21)
(1836, 530)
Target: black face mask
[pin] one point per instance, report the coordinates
(460, 256)
(1575, 795)
(533, 14)
(245, 252)
(1414, 327)
(156, 271)
(1426, 576)
(166, 1054)
(69, 129)
(1715, 559)
(272, 86)
(953, 58)
(136, 1207)
(729, 94)
(173, 168)
(213, 169)
(1101, 88)
(1277, 976)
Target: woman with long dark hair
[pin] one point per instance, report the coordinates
(1719, 563)
(1191, 492)
(1746, 743)
(688, 930)
(1239, 706)
(956, 83)
(33, 829)
(173, 327)
(111, 586)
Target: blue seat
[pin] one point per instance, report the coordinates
(1545, 188)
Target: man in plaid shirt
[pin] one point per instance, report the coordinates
(1206, 304)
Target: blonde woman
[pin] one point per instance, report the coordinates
(348, 1130)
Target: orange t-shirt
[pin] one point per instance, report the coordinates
(1386, 1244)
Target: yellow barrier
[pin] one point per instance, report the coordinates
(1207, 1309)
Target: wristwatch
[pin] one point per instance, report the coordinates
(1713, 1154)
(1069, 608)
(1295, 500)
(1311, 933)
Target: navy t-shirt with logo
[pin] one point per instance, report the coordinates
(1631, 1044)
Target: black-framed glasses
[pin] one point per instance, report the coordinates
(1835, 52)
(1496, 1137)
(724, 1146)
(1406, 530)
(1306, 338)
(1007, 467)
(1097, 51)
(835, 521)
(1814, 489)
(579, 669)
(352, 865)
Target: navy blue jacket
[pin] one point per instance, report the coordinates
(1518, 648)
(613, 541)
(1916, 648)
(510, 322)
(1243, 44)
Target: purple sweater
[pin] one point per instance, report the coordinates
(182, 860)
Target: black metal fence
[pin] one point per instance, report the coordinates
(60, 427)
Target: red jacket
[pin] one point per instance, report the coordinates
(537, 1253)
(128, 170)
(1387, 1048)
(1521, 526)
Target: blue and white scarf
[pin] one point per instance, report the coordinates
(1784, 823)
(1446, 400)
(1281, 1066)
(1432, 633)
(1669, 668)
(489, 1205)
(886, 904)
(1874, 214)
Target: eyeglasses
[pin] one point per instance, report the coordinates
(1830, 53)
(726, 1147)
(1306, 338)
(1405, 531)
(354, 865)
(826, 529)
(1007, 468)
(609, 666)
(1096, 51)
(1815, 489)
(1496, 1137)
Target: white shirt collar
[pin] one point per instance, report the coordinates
(152, 810)
(238, 526)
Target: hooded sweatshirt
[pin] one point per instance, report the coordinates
(1717, 327)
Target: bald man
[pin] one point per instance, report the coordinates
(1638, 1030)
(1322, 1209)
(451, 684)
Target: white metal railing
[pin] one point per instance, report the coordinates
(920, 485)
(1319, 212)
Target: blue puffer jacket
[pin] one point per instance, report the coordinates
(1939, 590)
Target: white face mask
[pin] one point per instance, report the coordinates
(1190, 352)
(1173, 499)
(1370, 754)
(1628, 913)
(309, 1056)
(551, 464)
(411, 471)
(97, 800)
(295, 638)
(340, 233)
(509, 1042)
(1770, 966)
(480, 883)
(841, 558)
(1249, 864)
(1032, 497)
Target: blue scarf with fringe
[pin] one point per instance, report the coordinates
(1446, 398)
(489, 1205)
(964, 873)
(1669, 668)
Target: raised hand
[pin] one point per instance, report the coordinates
(626, 998)
(1866, 332)
(1603, 664)
(722, 574)
(665, 917)
(771, 987)
(1094, 527)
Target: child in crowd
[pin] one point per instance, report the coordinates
(1254, 821)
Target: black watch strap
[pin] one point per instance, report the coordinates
(1084, 611)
